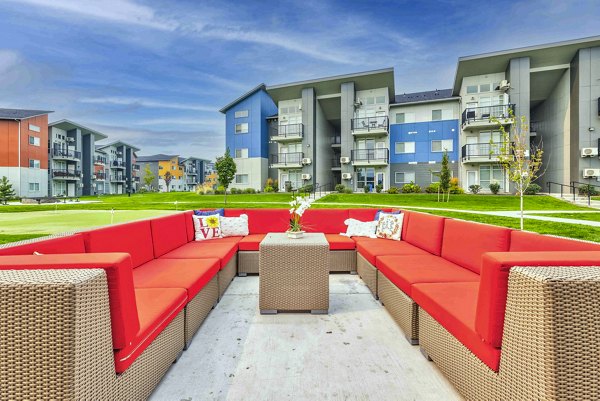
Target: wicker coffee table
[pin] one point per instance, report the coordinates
(293, 274)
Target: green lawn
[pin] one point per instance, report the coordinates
(6, 238)
(575, 216)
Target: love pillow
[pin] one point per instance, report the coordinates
(206, 227)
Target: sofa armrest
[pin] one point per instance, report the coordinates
(56, 335)
(493, 288)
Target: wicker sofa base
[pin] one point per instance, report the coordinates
(342, 261)
(247, 263)
(402, 308)
(367, 272)
(227, 274)
(198, 309)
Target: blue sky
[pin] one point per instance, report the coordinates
(155, 73)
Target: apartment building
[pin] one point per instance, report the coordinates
(194, 171)
(116, 163)
(355, 130)
(160, 164)
(24, 151)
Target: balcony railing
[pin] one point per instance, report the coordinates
(484, 151)
(100, 176)
(371, 156)
(191, 171)
(135, 179)
(135, 167)
(100, 160)
(117, 178)
(486, 113)
(336, 140)
(117, 164)
(378, 124)
(288, 131)
(287, 159)
(66, 174)
(336, 163)
(65, 154)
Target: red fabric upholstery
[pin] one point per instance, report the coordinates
(251, 242)
(189, 274)
(223, 249)
(491, 304)
(453, 306)
(464, 242)
(189, 225)
(404, 271)
(234, 212)
(370, 248)
(123, 313)
(157, 307)
(264, 221)
(168, 233)
(328, 221)
(425, 231)
(366, 214)
(521, 241)
(340, 243)
(133, 238)
(71, 244)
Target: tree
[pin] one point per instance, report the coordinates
(6, 190)
(226, 169)
(168, 177)
(148, 176)
(520, 159)
(445, 176)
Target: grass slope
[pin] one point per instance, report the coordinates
(574, 216)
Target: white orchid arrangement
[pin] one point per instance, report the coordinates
(298, 206)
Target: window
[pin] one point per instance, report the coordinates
(241, 179)
(400, 117)
(405, 147)
(472, 89)
(34, 186)
(160, 167)
(241, 128)
(436, 115)
(370, 100)
(443, 145)
(34, 128)
(404, 177)
(365, 177)
(380, 99)
(489, 174)
(484, 88)
(33, 163)
(435, 176)
(241, 153)
(34, 140)
(241, 114)
(173, 168)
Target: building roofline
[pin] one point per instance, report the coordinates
(343, 76)
(37, 114)
(105, 145)
(244, 96)
(446, 99)
(83, 127)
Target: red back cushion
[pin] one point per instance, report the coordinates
(70, 244)
(234, 212)
(524, 242)
(168, 233)
(464, 242)
(425, 231)
(364, 214)
(263, 221)
(134, 238)
(189, 225)
(328, 221)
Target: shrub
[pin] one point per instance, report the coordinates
(475, 189)
(340, 188)
(276, 185)
(495, 188)
(411, 188)
(235, 191)
(454, 187)
(250, 190)
(588, 189)
(268, 189)
(433, 188)
(307, 188)
(393, 190)
(288, 187)
(269, 182)
(378, 188)
(366, 189)
(208, 192)
(220, 190)
(533, 189)
(348, 190)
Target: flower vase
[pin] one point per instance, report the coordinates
(294, 234)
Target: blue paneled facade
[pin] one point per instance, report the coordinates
(422, 134)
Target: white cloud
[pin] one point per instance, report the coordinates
(147, 103)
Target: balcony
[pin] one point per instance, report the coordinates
(336, 141)
(135, 179)
(370, 126)
(100, 161)
(287, 133)
(483, 116)
(336, 163)
(370, 157)
(117, 178)
(135, 167)
(65, 154)
(191, 171)
(483, 152)
(286, 160)
(117, 164)
(66, 175)
(99, 176)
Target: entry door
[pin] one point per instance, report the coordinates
(380, 179)
(70, 189)
(282, 180)
(471, 178)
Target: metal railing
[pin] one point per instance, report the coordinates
(287, 158)
(370, 155)
(100, 176)
(486, 113)
(287, 131)
(100, 160)
(574, 188)
(336, 140)
(368, 124)
(135, 167)
(311, 190)
(69, 154)
(117, 178)
(484, 149)
(66, 173)
(117, 163)
(336, 163)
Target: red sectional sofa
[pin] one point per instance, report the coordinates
(134, 294)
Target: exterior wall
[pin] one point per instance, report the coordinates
(346, 139)
(154, 169)
(422, 172)
(309, 119)
(323, 153)
(177, 182)
(256, 168)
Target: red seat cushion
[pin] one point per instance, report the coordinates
(121, 298)
(425, 231)
(251, 242)
(69, 244)
(404, 271)
(168, 233)
(340, 243)
(329, 221)
(189, 274)
(370, 248)
(522, 241)
(453, 306)
(264, 221)
(222, 249)
(133, 238)
(464, 242)
(157, 307)
(495, 270)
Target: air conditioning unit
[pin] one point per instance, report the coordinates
(300, 107)
(94, 177)
(346, 176)
(344, 160)
(306, 176)
(504, 85)
(69, 139)
(306, 160)
(591, 172)
(358, 103)
(589, 152)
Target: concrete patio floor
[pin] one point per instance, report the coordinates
(357, 352)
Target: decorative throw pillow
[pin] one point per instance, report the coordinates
(220, 212)
(232, 226)
(381, 211)
(389, 226)
(357, 228)
(207, 227)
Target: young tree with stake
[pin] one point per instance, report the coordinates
(226, 170)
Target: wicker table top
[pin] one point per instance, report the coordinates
(283, 239)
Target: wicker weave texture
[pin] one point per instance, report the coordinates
(56, 338)
(248, 262)
(198, 308)
(402, 308)
(342, 261)
(294, 273)
(367, 272)
(227, 274)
